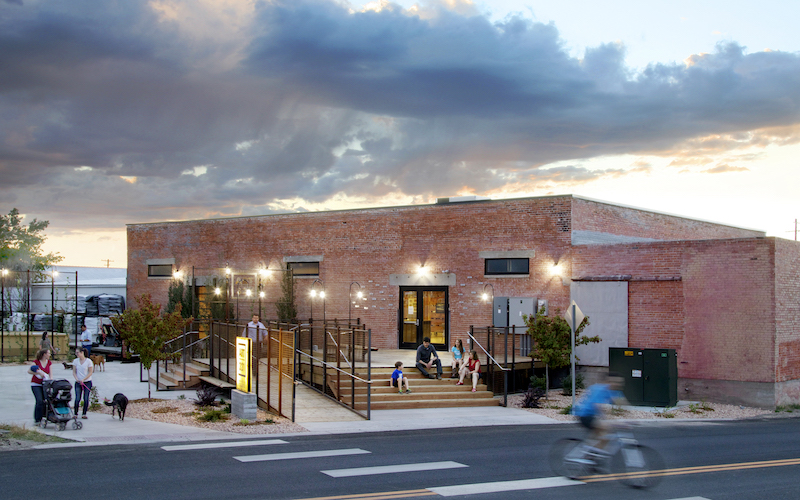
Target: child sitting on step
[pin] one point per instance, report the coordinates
(398, 379)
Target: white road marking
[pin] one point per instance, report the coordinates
(692, 498)
(391, 469)
(524, 484)
(227, 444)
(301, 454)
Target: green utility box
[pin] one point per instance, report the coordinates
(651, 375)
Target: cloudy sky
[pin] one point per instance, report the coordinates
(138, 111)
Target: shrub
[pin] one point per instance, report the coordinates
(538, 382)
(213, 416)
(206, 396)
(566, 384)
(532, 397)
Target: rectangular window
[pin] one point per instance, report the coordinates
(303, 268)
(159, 271)
(506, 266)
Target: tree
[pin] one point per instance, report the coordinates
(180, 295)
(285, 306)
(551, 339)
(145, 330)
(21, 246)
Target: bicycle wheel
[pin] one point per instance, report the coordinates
(637, 464)
(567, 460)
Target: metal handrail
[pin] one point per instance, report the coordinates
(504, 370)
(328, 365)
(489, 356)
(339, 349)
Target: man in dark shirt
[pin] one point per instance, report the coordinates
(427, 358)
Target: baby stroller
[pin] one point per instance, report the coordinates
(57, 396)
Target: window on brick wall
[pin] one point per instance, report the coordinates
(303, 268)
(506, 266)
(159, 271)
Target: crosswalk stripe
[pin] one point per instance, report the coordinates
(301, 454)
(391, 469)
(228, 444)
(524, 484)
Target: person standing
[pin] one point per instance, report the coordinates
(39, 371)
(47, 345)
(427, 358)
(255, 329)
(82, 369)
(86, 340)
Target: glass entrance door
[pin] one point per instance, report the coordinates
(423, 313)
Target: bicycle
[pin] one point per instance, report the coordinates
(623, 459)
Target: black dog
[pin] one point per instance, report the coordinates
(118, 404)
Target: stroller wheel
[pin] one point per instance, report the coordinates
(62, 426)
(77, 425)
(43, 423)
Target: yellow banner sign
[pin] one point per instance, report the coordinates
(243, 347)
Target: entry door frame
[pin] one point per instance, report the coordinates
(400, 316)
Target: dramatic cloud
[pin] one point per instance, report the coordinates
(151, 110)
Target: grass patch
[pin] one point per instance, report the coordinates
(787, 408)
(23, 433)
(214, 416)
(567, 410)
(146, 400)
(245, 423)
(618, 411)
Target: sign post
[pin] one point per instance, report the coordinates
(574, 317)
(243, 349)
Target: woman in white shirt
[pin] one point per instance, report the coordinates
(82, 369)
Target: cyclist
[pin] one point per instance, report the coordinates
(590, 410)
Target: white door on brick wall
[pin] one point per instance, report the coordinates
(606, 305)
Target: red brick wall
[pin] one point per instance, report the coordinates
(607, 218)
(367, 246)
(719, 316)
(787, 308)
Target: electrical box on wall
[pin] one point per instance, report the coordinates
(519, 307)
(500, 311)
(509, 311)
(542, 303)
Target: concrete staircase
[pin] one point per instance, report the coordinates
(425, 393)
(173, 378)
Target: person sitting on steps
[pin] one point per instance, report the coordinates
(398, 378)
(427, 358)
(471, 367)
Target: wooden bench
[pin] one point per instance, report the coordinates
(221, 384)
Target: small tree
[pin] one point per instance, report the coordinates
(179, 295)
(550, 337)
(285, 306)
(146, 330)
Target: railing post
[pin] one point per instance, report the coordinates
(295, 359)
(369, 373)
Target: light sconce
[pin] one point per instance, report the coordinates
(264, 273)
(217, 291)
(262, 294)
(248, 292)
(177, 274)
(227, 270)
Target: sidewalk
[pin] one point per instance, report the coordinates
(315, 413)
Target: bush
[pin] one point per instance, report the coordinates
(532, 397)
(213, 416)
(538, 382)
(206, 396)
(566, 384)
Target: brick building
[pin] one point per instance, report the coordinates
(726, 298)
